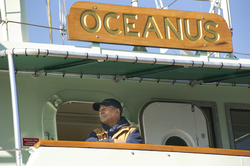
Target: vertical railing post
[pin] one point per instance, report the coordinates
(15, 110)
(4, 25)
(49, 20)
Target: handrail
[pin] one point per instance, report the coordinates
(145, 147)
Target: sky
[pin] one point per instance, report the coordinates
(37, 14)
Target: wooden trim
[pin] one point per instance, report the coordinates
(146, 147)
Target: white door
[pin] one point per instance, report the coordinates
(168, 123)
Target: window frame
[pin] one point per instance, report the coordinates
(229, 106)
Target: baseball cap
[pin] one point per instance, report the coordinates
(107, 102)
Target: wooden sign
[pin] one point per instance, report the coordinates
(127, 25)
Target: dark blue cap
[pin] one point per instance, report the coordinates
(107, 102)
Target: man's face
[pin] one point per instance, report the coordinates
(108, 114)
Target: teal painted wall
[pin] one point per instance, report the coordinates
(35, 92)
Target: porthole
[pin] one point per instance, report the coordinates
(176, 141)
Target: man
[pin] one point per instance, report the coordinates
(115, 128)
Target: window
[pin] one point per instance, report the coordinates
(238, 116)
(75, 120)
(176, 141)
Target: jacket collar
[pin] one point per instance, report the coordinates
(120, 124)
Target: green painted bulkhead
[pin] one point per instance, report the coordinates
(36, 115)
(37, 95)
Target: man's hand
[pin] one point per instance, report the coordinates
(118, 141)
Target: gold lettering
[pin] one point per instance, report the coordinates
(107, 26)
(83, 20)
(187, 30)
(128, 25)
(168, 25)
(148, 28)
(216, 35)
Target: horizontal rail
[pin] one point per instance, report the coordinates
(145, 147)
(122, 58)
(120, 78)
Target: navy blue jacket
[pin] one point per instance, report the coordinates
(133, 137)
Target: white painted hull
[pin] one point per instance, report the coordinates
(65, 156)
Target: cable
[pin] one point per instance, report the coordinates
(241, 53)
(32, 25)
(14, 149)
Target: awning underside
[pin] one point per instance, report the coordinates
(50, 64)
